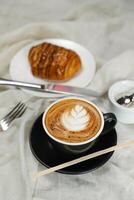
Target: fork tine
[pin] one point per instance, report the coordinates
(21, 105)
(12, 111)
(21, 113)
(17, 113)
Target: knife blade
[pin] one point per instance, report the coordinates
(70, 90)
(51, 88)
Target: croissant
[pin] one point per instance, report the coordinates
(53, 62)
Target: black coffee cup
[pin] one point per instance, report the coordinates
(108, 122)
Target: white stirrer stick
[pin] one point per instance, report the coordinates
(83, 158)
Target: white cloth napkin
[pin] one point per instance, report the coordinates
(17, 163)
(119, 68)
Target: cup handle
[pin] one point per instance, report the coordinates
(110, 121)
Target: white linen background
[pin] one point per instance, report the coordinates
(106, 29)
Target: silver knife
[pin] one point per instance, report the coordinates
(51, 88)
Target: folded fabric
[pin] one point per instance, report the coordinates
(119, 68)
(17, 162)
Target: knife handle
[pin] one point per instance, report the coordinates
(20, 84)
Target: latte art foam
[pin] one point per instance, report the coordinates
(76, 119)
(73, 120)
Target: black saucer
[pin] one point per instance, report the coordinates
(49, 157)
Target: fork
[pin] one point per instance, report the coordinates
(16, 112)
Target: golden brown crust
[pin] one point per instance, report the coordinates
(52, 62)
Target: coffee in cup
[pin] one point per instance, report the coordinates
(73, 120)
(74, 124)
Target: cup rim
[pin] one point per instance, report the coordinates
(74, 143)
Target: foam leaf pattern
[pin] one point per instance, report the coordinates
(76, 119)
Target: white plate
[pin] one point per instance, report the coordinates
(20, 69)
